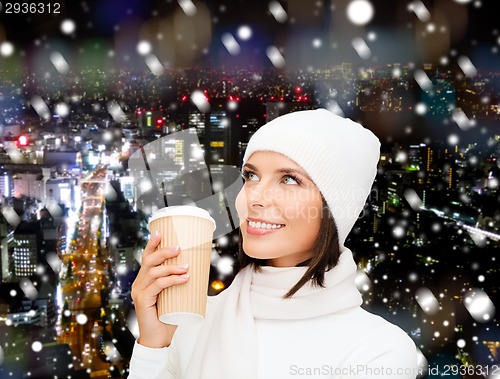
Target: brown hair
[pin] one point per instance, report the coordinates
(326, 248)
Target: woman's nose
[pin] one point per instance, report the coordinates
(260, 195)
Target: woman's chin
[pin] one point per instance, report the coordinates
(256, 253)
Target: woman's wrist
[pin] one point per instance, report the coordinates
(152, 343)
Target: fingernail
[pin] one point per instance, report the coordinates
(175, 249)
(184, 276)
(183, 266)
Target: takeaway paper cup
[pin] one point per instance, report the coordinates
(192, 229)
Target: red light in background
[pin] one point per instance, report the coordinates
(184, 98)
(23, 140)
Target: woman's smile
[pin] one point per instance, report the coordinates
(260, 228)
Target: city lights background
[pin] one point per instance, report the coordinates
(85, 84)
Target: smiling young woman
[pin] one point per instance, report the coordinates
(293, 308)
(286, 207)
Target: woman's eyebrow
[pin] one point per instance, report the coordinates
(282, 171)
(250, 166)
(293, 171)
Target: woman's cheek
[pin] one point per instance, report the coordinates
(241, 206)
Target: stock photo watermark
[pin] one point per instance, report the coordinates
(354, 371)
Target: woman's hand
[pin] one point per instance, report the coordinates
(152, 278)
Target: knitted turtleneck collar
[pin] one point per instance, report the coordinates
(229, 329)
(270, 285)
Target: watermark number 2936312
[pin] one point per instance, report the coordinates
(30, 8)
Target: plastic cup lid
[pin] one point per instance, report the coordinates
(181, 210)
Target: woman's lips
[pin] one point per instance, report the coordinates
(261, 231)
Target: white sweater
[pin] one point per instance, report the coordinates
(323, 340)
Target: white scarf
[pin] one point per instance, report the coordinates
(227, 348)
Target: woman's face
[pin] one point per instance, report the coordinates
(280, 210)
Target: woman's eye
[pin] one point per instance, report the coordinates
(247, 175)
(290, 180)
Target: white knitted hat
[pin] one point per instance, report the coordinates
(340, 156)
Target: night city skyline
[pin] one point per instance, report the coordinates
(85, 90)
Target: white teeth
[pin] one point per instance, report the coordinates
(263, 225)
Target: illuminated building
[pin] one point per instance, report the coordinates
(275, 109)
(218, 137)
(6, 184)
(61, 190)
(493, 347)
(27, 248)
(150, 119)
(29, 184)
(6, 249)
(248, 128)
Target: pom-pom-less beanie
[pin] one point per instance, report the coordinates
(339, 155)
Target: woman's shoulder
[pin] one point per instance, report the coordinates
(377, 326)
(388, 336)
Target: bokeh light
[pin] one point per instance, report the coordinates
(144, 47)
(68, 26)
(360, 12)
(244, 32)
(6, 49)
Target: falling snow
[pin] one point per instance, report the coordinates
(479, 305)
(225, 265)
(275, 57)
(81, 318)
(420, 10)
(244, 32)
(427, 301)
(59, 62)
(423, 80)
(68, 26)
(231, 44)
(361, 48)
(6, 49)
(116, 111)
(36, 346)
(154, 64)
(28, 288)
(144, 47)
(467, 66)
(459, 116)
(360, 12)
(188, 7)
(40, 107)
(199, 99)
(278, 11)
(429, 263)
(62, 109)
